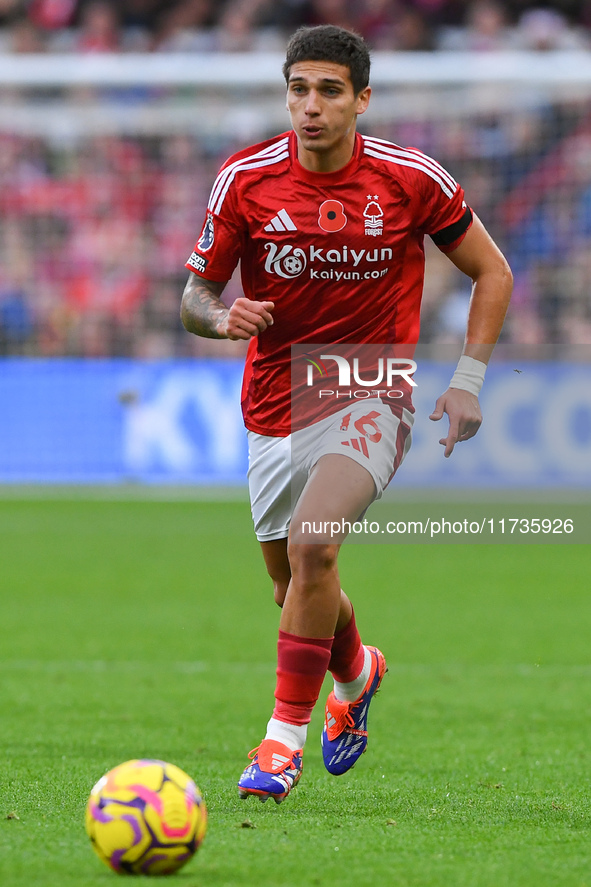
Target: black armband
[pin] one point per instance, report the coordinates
(448, 235)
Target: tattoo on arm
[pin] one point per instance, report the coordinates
(202, 309)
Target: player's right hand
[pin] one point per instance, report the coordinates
(246, 318)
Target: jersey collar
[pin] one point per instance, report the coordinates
(326, 178)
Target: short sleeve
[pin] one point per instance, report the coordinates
(220, 244)
(445, 216)
(450, 237)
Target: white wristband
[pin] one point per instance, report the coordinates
(469, 375)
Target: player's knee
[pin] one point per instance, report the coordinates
(309, 560)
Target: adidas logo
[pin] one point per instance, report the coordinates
(278, 761)
(358, 443)
(281, 222)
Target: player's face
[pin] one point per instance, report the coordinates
(324, 109)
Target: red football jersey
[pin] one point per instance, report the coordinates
(340, 254)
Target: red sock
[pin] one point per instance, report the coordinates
(301, 666)
(347, 656)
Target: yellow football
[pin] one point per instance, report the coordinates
(145, 818)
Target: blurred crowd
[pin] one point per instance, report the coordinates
(95, 230)
(245, 25)
(94, 235)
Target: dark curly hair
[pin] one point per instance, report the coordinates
(327, 43)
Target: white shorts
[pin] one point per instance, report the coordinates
(366, 431)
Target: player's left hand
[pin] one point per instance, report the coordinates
(464, 414)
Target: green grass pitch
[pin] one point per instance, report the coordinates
(131, 629)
